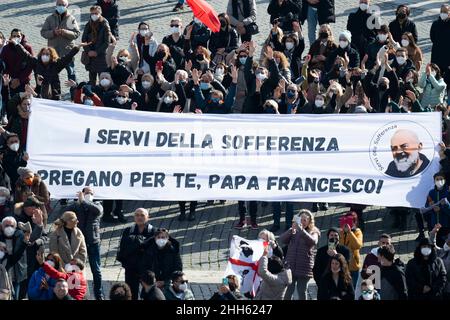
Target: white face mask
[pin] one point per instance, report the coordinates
(219, 72)
(439, 183)
(88, 102)
(182, 287)
(289, 45)
(89, 197)
(9, 231)
(401, 60)
(161, 242)
(50, 263)
(426, 251)
(123, 59)
(17, 40)
(105, 82)
(343, 44)
(446, 247)
(69, 268)
(444, 16)
(368, 296)
(146, 84)
(382, 37)
(261, 76)
(174, 30)
(143, 32)
(14, 147)
(363, 6)
(2, 200)
(405, 43)
(121, 100)
(168, 100)
(2, 255)
(45, 58)
(319, 103)
(95, 17)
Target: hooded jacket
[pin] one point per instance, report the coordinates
(421, 272)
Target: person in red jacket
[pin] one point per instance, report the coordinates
(74, 276)
(16, 66)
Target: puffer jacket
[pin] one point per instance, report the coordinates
(302, 250)
(433, 90)
(62, 44)
(354, 242)
(273, 286)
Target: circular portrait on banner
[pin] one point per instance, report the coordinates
(402, 149)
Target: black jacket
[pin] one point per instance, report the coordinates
(163, 262)
(111, 13)
(153, 294)
(11, 162)
(227, 39)
(420, 273)
(395, 276)
(18, 259)
(353, 56)
(131, 251)
(327, 289)
(379, 100)
(199, 37)
(169, 66)
(439, 35)
(402, 71)
(88, 215)
(228, 296)
(111, 102)
(119, 74)
(325, 11)
(398, 30)
(361, 35)
(323, 259)
(176, 49)
(288, 12)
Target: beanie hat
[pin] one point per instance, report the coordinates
(347, 35)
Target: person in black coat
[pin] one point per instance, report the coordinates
(393, 280)
(439, 35)
(150, 292)
(131, 249)
(284, 12)
(162, 256)
(336, 283)
(111, 12)
(325, 253)
(197, 34)
(14, 157)
(344, 48)
(402, 65)
(403, 24)
(88, 214)
(126, 99)
(324, 13)
(161, 59)
(148, 89)
(223, 42)
(357, 25)
(175, 42)
(425, 273)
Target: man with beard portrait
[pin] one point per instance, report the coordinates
(408, 161)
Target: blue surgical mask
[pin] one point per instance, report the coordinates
(243, 60)
(60, 9)
(215, 100)
(204, 85)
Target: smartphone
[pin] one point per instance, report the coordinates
(346, 220)
(159, 65)
(225, 281)
(332, 246)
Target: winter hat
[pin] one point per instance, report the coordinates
(347, 35)
(22, 171)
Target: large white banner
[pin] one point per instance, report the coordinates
(375, 159)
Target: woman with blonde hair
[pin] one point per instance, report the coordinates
(302, 239)
(67, 240)
(322, 47)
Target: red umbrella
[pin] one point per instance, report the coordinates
(205, 13)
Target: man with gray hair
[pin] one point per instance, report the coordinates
(408, 161)
(61, 30)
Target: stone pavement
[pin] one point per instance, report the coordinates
(206, 240)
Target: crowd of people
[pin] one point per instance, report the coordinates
(363, 69)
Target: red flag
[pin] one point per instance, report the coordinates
(205, 13)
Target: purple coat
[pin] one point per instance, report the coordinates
(302, 249)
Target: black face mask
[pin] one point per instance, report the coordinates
(160, 55)
(223, 24)
(323, 35)
(200, 57)
(401, 15)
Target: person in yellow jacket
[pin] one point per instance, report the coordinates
(352, 237)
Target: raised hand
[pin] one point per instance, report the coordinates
(268, 53)
(251, 48)
(134, 106)
(234, 74)
(6, 79)
(195, 76)
(177, 109)
(70, 83)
